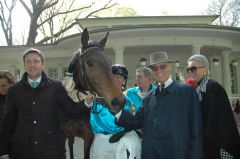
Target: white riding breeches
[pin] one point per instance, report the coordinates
(131, 142)
(102, 149)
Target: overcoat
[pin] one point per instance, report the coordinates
(219, 127)
(31, 126)
(2, 107)
(171, 121)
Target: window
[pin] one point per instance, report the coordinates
(53, 72)
(64, 70)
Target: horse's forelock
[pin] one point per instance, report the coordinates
(94, 44)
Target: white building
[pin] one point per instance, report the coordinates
(132, 38)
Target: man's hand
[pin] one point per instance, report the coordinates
(89, 99)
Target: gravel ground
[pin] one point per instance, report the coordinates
(77, 148)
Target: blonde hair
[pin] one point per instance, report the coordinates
(7, 75)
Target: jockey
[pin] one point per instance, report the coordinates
(144, 85)
(103, 123)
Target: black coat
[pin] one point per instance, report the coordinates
(220, 130)
(31, 126)
(2, 107)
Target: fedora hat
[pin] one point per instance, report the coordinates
(159, 57)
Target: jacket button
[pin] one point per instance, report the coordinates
(35, 142)
(49, 132)
(33, 102)
(34, 122)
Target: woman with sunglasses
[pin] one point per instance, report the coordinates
(221, 138)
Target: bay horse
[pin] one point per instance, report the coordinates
(91, 69)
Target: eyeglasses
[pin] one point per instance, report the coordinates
(193, 69)
(34, 62)
(161, 67)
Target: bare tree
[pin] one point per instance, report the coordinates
(46, 14)
(125, 11)
(228, 11)
(6, 9)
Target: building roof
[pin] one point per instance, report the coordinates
(112, 22)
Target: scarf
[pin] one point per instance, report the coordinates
(201, 88)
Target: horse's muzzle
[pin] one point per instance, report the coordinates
(116, 105)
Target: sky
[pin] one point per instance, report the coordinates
(166, 7)
(143, 8)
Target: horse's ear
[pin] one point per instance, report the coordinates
(85, 39)
(103, 42)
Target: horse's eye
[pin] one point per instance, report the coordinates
(90, 63)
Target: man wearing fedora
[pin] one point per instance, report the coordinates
(170, 117)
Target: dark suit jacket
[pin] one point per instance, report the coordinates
(31, 127)
(172, 123)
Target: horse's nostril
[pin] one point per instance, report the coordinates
(115, 102)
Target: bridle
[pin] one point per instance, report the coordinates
(85, 85)
(83, 82)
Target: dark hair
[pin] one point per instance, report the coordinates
(33, 50)
(7, 75)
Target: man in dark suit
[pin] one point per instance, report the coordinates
(170, 117)
(31, 127)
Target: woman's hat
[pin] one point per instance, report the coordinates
(159, 57)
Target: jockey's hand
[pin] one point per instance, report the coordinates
(89, 99)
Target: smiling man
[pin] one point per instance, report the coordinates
(31, 126)
(170, 117)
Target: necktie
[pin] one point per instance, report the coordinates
(34, 84)
(163, 90)
(162, 86)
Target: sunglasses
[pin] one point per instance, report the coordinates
(156, 67)
(193, 69)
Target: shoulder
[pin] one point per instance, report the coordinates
(183, 86)
(16, 85)
(54, 81)
(184, 90)
(132, 90)
(214, 85)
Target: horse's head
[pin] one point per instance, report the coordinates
(91, 70)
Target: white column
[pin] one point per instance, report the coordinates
(21, 69)
(226, 72)
(119, 56)
(196, 49)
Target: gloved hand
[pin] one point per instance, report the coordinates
(4, 157)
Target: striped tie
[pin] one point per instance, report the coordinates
(34, 84)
